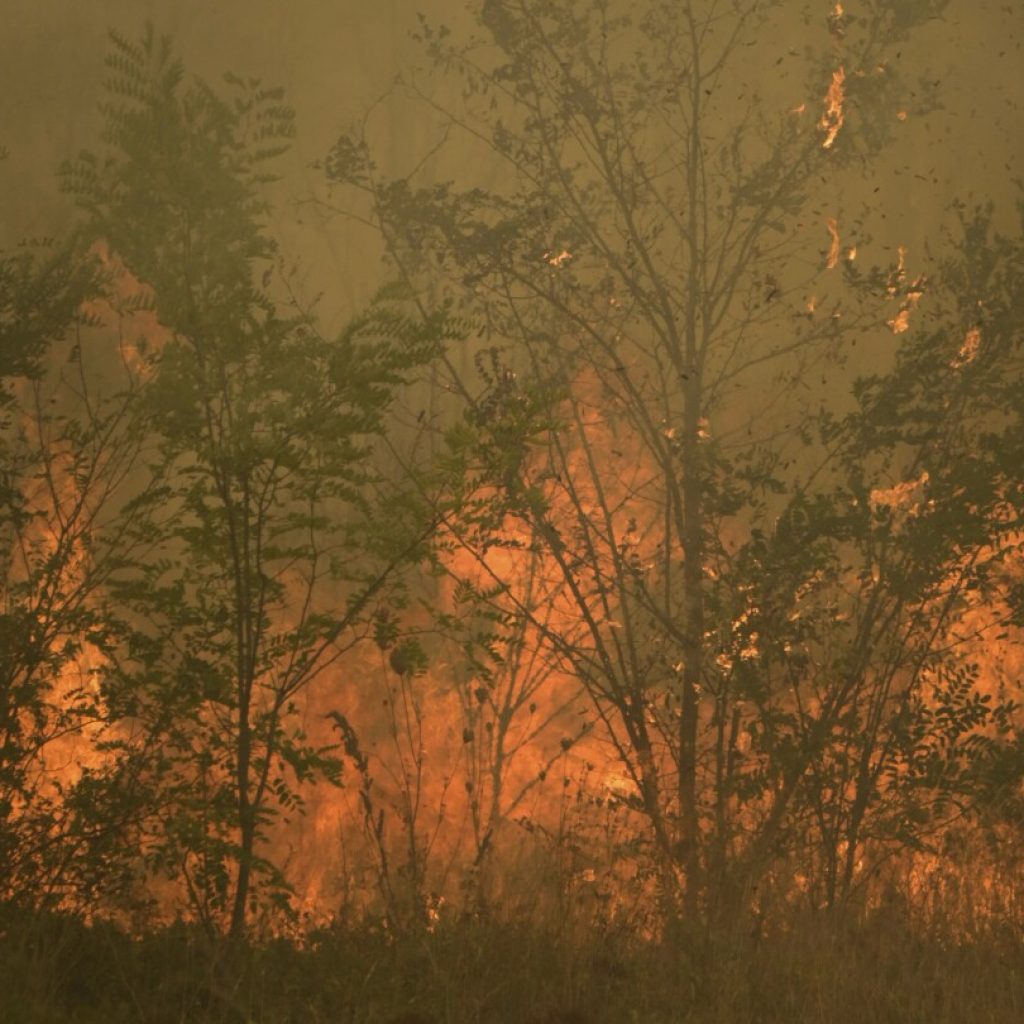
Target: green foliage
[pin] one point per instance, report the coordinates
(41, 292)
(267, 530)
(762, 601)
(783, 652)
(64, 451)
(897, 732)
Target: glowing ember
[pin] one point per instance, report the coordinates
(968, 350)
(837, 21)
(900, 322)
(833, 253)
(904, 497)
(832, 119)
(897, 277)
(558, 259)
(911, 294)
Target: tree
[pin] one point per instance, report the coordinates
(268, 534)
(650, 262)
(505, 669)
(929, 571)
(66, 449)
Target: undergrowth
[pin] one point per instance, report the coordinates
(57, 969)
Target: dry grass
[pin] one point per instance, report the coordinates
(812, 968)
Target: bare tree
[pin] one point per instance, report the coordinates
(658, 266)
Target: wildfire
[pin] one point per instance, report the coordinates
(968, 350)
(912, 293)
(833, 253)
(837, 21)
(431, 739)
(897, 277)
(904, 498)
(559, 259)
(900, 322)
(833, 117)
(127, 308)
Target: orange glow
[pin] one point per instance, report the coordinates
(476, 769)
(833, 252)
(909, 295)
(559, 259)
(899, 323)
(897, 277)
(127, 308)
(904, 497)
(48, 553)
(833, 117)
(968, 350)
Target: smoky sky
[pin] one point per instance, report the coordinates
(337, 58)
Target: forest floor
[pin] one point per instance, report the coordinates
(58, 970)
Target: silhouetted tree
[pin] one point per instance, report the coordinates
(268, 533)
(647, 255)
(66, 448)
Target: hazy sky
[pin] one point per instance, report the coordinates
(335, 57)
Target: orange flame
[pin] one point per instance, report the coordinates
(968, 350)
(833, 253)
(833, 117)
